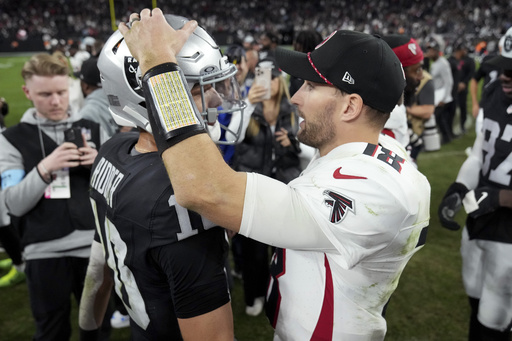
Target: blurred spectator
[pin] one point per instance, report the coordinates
(305, 41)
(88, 43)
(268, 43)
(96, 104)
(420, 113)
(250, 43)
(411, 56)
(443, 83)
(466, 69)
(252, 61)
(489, 73)
(237, 55)
(97, 47)
(77, 56)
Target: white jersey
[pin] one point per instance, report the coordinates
(397, 124)
(350, 223)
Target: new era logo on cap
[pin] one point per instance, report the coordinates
(348, 78)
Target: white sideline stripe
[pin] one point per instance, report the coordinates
(440, 154)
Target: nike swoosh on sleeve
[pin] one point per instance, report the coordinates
(338, 175)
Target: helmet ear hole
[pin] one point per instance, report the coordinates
(116, 46)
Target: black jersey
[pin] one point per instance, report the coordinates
(167, 262)
(496, 170)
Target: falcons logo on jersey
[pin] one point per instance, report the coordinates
(339, 205)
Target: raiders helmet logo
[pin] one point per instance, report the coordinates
(507, 44)
(339, 205)
(133, 75)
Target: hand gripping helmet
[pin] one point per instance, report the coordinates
(202, 63)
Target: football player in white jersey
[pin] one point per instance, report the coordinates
(484, 187)
(344, 229)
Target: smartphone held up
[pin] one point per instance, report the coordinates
(263, 76)
(74, 135)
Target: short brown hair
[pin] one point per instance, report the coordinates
(375, 117)
(44, 64)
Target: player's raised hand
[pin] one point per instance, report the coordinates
(151, 40)
(450, 205)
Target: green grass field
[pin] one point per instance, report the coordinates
(429, 304)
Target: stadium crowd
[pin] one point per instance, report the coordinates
(64, 19)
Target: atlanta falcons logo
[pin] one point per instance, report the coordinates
(339, 205)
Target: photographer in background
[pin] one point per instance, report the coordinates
(45, 183)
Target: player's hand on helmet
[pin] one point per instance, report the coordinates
(151, 40)
(481, 201)
(450, 205)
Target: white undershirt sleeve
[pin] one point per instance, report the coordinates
(470, 169)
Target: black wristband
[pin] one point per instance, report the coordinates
(172, 112)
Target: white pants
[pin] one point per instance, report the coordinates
(487, 275)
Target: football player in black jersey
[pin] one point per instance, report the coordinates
(166, 263)
(483, 186)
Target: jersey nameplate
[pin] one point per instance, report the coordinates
(105, 179)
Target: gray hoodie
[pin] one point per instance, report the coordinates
(23, 196)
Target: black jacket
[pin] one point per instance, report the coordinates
(255, 153)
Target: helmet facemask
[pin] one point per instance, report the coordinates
(201, 62)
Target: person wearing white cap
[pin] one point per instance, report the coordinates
(347, 226)
(484, 187)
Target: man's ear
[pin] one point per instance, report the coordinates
(26, 92)
(352, 107)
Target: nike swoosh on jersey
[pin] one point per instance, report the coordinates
(338, 175)
(482, 197)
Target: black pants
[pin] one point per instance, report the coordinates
(255, 269)
(444, 118)
(11, 243)
(51, 282)
(462, 98)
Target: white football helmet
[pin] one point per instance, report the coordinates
(202, 63)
